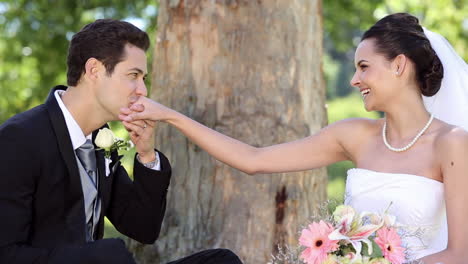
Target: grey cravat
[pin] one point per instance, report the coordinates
(88, 173)
(87, 156)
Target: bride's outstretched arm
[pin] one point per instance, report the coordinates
(314, 151)
(452, 152)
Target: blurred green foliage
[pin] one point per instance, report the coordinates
(34, 37)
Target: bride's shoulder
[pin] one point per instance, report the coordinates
(451, 150)
(359, 124)
(451, 138)
(354, 130)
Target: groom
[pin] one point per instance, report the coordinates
(56, 186)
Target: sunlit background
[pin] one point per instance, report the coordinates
(34, 37)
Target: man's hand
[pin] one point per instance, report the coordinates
(142, 135)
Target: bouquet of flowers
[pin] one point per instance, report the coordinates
(352, 238)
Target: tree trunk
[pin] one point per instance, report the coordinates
(250, 69)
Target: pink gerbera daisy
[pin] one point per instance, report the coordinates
(390, 243)
(315, 238)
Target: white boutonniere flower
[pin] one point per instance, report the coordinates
(107, 141)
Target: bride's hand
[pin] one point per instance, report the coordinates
(144, 109)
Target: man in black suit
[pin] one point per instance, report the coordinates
(56, 186)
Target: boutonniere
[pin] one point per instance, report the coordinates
(107, 141)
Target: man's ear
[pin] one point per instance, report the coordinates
(92, 69)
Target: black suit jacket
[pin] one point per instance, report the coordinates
(41, 199)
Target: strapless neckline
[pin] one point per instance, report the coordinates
(417, 203)
(419, 177)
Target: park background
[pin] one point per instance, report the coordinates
(34, 37)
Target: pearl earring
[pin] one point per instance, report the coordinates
(397, 73)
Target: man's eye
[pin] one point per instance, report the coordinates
(363, 66)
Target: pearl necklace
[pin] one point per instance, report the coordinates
(384, 132)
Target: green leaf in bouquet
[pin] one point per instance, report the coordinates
(345, 249)
(364, 249)
(376, 252)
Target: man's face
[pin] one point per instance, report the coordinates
(126, 81)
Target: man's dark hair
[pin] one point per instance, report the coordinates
(104, 40)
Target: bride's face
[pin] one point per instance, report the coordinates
(374, 76)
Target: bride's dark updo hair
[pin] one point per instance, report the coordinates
(401, 34)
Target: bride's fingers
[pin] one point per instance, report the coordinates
(134, 116)
(126, 118)
(137, 107)
(125, 110)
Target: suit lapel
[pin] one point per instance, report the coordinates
(74, 193)
(104, 185)
(101, 165)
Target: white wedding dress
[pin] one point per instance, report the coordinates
(417, 203)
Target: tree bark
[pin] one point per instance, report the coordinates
(250, 69)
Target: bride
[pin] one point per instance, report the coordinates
(416, 156)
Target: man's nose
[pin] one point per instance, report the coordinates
(141, 89)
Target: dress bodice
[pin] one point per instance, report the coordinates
(417, 203)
